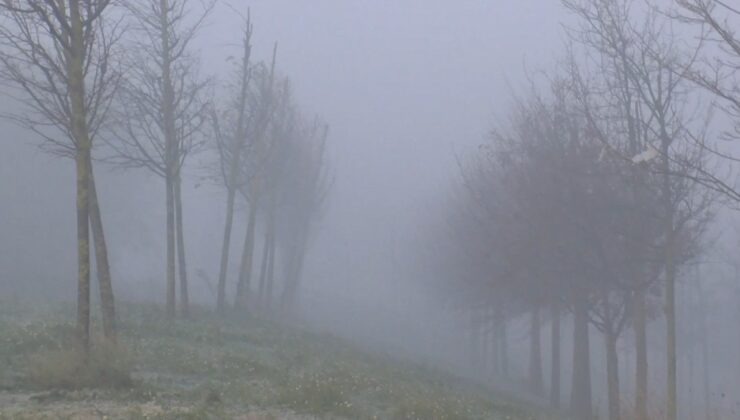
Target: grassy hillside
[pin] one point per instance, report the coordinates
(207, 368)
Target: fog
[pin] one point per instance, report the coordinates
(411, 92)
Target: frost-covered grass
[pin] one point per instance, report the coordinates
(209, 368)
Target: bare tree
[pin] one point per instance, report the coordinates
(642, 68)
(302, 197)
(58, 57)
(231, 145)
(163, 110)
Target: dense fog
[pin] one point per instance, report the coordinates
(423, 166)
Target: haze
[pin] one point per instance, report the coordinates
(424, 243)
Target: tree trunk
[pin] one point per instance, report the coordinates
(245, 271)
(504, 350)
(182, 266)
(76, 80)
(612, 374)
(670, 310)
(107, 301)
(171, 157)
(705, 352)
(295, 258)
(535, 354)
(221, 299)
(83, 250)
(670, 289)
(474, 343)
(484, 349)
(270, 275)
(555, 353)
(170, 304)
(495, 365)
(233, 171)
(580, 402)
(263, 267)
(641, 362)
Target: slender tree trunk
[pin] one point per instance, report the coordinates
(484, 351)
(245, 271)
(705, 352)
(555, 353)
(83, 250)
(688, 396)
(263, 266)
(612, 375)
(670, 289)
(107, 301)
(171, 158)
(474, 342)
(296, 255)
(670, 310)
(504, 350)
(581, 392)
(221, 299)
(182, 266)
(76, 79)
(170, 304)
(233, 169)
(641, 362)
(535, 354)
(270, 275)
(286, 299)
(495, 353)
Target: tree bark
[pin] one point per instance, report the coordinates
(705, 352)
(171, 158)
(670, 279)
(233, 168)
(83, 251)
(170, 304)
(484, 339)
(495, 354)
(504, 350)
(535, 354)
(270, 275)
(263, 266)
(245, 271)
(296, 255)
(75, 73)
(581, 391)
(107, 301)
(221, 299)
(555, 353)
(182, 266)
(641, 362)
(474, 343)
(612, 375)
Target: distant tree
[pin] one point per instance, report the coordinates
(231, 126)
(59, 57)
(253, 167)
(301, 197)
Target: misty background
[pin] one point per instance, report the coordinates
(407, 88)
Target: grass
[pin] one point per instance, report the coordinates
(208, 368)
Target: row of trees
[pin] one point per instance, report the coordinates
(275, 160)
(597, 191)
(125, 78)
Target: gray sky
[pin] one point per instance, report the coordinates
(404, 85)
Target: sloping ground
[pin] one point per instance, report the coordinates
(207, 368)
